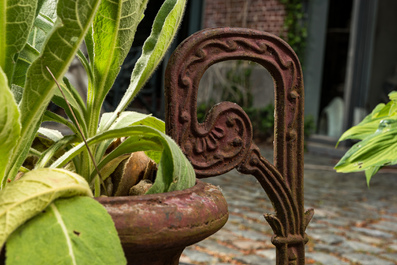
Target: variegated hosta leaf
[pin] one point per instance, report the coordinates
(378, 132)
(371, 122)
(24, 198)
(373, 152)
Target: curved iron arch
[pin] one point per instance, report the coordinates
(224, 140)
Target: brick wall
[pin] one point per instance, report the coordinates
(266, 15)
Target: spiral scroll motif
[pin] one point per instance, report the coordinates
(224, 140)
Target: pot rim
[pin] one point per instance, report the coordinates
(167, 220)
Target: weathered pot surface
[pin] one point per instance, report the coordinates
(154, 229)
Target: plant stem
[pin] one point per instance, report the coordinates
(79, 128)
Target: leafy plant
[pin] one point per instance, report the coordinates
(36, 48)
(378, 138)
(296, 26)
(262, 121)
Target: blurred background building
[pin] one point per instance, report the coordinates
(346, 47)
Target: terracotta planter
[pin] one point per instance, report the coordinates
(155, 229)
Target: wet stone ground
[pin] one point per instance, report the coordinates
(352, 224)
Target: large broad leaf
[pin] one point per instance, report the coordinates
(164, 29)
(373, 152)
(370, 123)
(114, 29)
(10, 127)
(17, 18)
(72, 231)
(23, 199)
(378, 132)
(175, 171)
(59, 51)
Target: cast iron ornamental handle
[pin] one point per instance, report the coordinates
(224, 140)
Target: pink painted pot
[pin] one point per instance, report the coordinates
(155, 229)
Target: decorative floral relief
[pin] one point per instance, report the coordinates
(223, 142)
(209, 142)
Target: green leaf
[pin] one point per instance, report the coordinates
(164, 29)
(370, 123)
(74, 95)
(17, 92)
(393, 95)
(51, 134)
(23, 199)
(132, 144)
(370, 172)
(10, 127)
(76, 230)
(16, 20)
(51, 152)
(175, 171)
(25, 59)
(114, 29)
(59, 51)
(375, 150)
(126, 119)
(44, 23)
(50, 116)
(378, 132)
(75, 102)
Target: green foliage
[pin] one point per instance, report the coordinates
(237, 84)
(76, 237)
(309, 126)
(378, 135)
(295, 26)
(23, 199)
(164, 29)
(10, 127)
(15, 31)
(36, 49)
(39, 87)
(262, 121)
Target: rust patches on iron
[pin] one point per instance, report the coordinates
(224, 140)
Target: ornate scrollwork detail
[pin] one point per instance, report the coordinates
(218, 144)
(224, 140)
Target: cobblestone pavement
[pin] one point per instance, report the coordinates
(352, 224)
